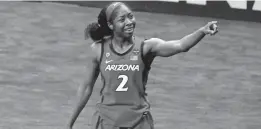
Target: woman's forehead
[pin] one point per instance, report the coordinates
(123, 10)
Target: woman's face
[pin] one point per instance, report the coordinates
(123, 22)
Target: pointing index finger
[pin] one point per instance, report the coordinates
(214, 22)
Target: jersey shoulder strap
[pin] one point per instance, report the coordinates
(104, 46)
(138, 42)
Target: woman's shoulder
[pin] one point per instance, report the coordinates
(144, 39)
(96, 47)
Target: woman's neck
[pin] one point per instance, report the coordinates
(121, 42)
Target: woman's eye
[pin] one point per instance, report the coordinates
(122, 20)
(130, 16)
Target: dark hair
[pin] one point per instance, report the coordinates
(98, 30)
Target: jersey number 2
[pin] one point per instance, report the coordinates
(123, 83)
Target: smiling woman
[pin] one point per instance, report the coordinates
(121, 20)
(115, 19)
(124, 61)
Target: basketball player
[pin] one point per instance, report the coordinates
(124, 61)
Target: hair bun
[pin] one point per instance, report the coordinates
(93, 31)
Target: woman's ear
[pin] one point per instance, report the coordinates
(110, 25)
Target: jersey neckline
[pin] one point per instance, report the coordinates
(121, 54)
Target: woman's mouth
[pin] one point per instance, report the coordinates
(129, 29)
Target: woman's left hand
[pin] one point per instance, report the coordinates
(211, 28)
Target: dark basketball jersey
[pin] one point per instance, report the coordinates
(124, 76)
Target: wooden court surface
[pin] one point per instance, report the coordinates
(216, 85)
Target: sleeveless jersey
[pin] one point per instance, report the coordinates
(124, 76)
